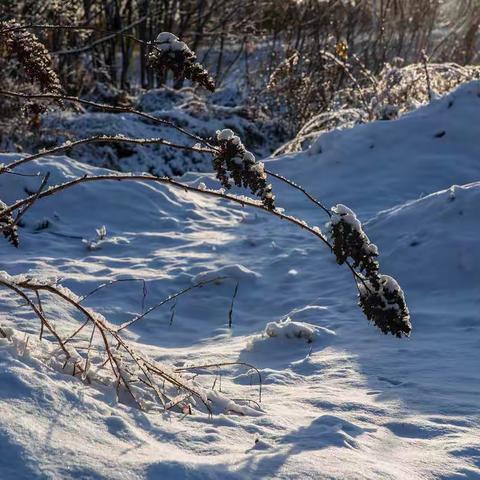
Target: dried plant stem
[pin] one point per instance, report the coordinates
(166, 300)
(34, 199)
(148, 368)
(37, 312)
(300, 188)
(427, 74)
(109, 34)
(188, 188)
(111, 282)
(230, 312)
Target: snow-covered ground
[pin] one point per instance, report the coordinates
(340, 400)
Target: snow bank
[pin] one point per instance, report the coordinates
(437, 236)
(381, 164)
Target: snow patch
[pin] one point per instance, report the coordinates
(237, 272)
(290, 329)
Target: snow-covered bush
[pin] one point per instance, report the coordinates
(302, 86)
(184, 107)
(400, 88)
(322, 102)
(395, 90)
(106, 359)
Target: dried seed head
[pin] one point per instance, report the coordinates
(31, 54)
(380, 296)
(8, 227)
(383, 302)
(170, 53)
(235, 165)
(350, 241)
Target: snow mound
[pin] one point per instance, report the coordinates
(290, 329)
(236, 272)
(381, 164)
(439, 230)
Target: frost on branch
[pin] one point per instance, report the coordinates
(8, 227)
(383, 302)
(235, 165)
(350, 241)
(172, 54)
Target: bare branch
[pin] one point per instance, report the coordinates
(34, 199)
(101, 139)
(226, 364)
(298, 187)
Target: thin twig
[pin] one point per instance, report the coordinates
(37, 311)
(230, 312)
(34, 199)
(301, 189)
(40, 307)
(166, 300)
(227, 364)
(112, 282)
(427, 74)
(109, 34)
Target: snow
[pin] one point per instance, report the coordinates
(183, 107)
(290, 329)
(236, 272)
(351, 404)
(169, 42)
(226, 134)
(166, 37)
